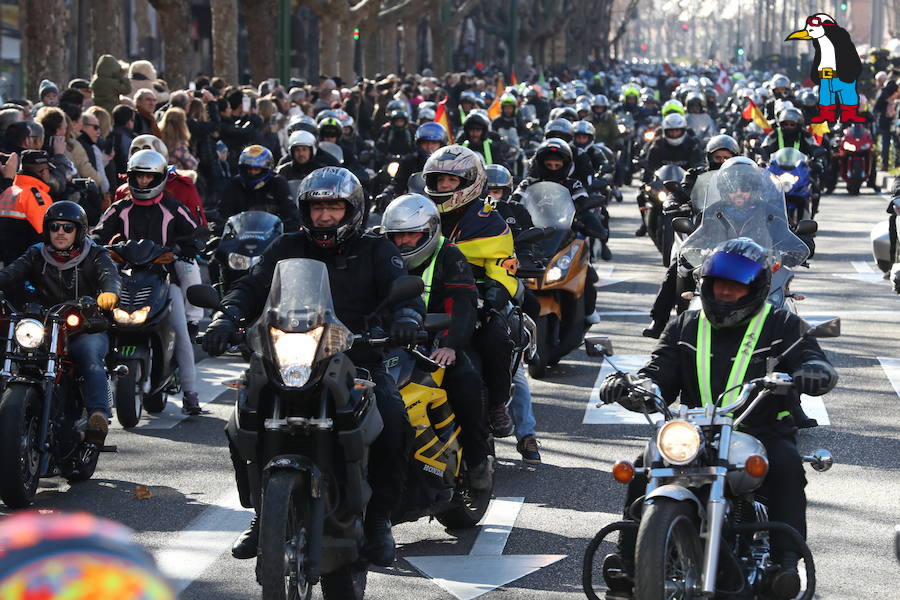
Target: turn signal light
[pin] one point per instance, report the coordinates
(756, 466)
(73, 320)
(623, 471)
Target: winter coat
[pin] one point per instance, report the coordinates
(109, 82)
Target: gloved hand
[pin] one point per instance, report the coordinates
(218, 336)
(814, 378)
(107, 301)
(614, 388)
(404, 330)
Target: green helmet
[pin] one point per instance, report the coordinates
(630, 90)
(672, 105)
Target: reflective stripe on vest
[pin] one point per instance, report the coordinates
(781, 141)
(428, 275)
(741, 361)
(9, 203)
(486, 146)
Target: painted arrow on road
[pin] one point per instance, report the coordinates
(484, 568)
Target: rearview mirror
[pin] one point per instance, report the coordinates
(598, 346)
(530, 236)
(683, 225)
(806, 227)
(827, 329)
(203, 296)
(672, 185)
(406, 287)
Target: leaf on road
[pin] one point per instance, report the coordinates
(142, 492)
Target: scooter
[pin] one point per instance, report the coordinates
(856, 157)
(790, 167)
(654, 200)
(244, 238)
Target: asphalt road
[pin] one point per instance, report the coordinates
(191, 515)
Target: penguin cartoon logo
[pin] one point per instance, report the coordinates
(835, 67)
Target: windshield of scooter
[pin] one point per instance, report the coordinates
(509, 135)
(253, 224)
(299, 301)
(669, 173)
(529, 113)
(789, 158)
(550, 205)
(745, 201)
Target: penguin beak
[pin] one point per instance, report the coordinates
(800, 34)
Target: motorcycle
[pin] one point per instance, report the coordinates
(515, 157)
(657, 211)
(245, 237)
(42, 418)
(308, 417)
(560, 289)
(857, 156)
(141, 340)
(789, 166)
(626, 169)
(699, 524)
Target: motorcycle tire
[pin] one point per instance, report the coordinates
(537, 368)
(20, 421)
(853, 187)
(129, 397)
(666, 241)
(281, 522)
(82, 465)
(346, 583)
(667, 526)
(469, 506)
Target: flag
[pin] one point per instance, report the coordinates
(668, 70)
(512, 79)
(541, 81)
(819, 130)
(494, 108)
(752, 113)
(723, 83)
(440, 116)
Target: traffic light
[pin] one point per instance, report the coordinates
(685, 26)
(843, 6)
(740, 51)
(356, 34)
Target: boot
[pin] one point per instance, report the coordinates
(605, 253)
(481, 476)
(641, 231)
(801, 419)
(247, 542)
(826, 113)
(786, 583)
(654, 329)
(97, 428)
(848, 115)
(379, 547)
(616, 578)
(190, 405)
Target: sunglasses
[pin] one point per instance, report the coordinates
(94, 125)
(817, 22)
(67, 227)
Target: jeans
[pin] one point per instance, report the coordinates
(834, 91)
(520, 406)
(184, 349)
(389, 455)
(88, 351)
(188, 275)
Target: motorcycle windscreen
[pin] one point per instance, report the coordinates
(300, 301)
(550, 205)
(334, 150)
(789, 158)
(509, 135)
(256, 224)
(855, 132)
(529, 113)
(670, 173)
(745, 203)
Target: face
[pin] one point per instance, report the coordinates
(77, 127)
(599, 110)
(302, 154)
(253, 171)
(720, 156)
(740, 197)
(42, 172)
(143, 180)
(51, 99)
(147, 103)
(674, 133)
(59, 239)
(725, 290)
(447, 183)
(476, 134)
(91, 127)
(496, 193)
(553, 164)
(329, 138)
(409, 239)
(582, 139)
(327, 214)
(429, 147)
(790, 126)
(508, 110)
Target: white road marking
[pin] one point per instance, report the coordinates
(891, 368)
(864, 273)
(196, 547)
(212, 373)
(484, 568)
(605, 273)
(613, 414)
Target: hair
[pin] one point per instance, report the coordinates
(71, 96)
(121, 114)
(73, 111)
(8, 116)
(179, 99)
(52, 118)
(103, 117)
(202, 81)
(235, 98)
(267, 110)
(17, 133)
(173, 128)
(144, 92)
(197, 110)
(218, 83)
(37, 130)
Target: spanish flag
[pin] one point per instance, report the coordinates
(819, 130)
(494, 108)
(441, 117)
(752, 113)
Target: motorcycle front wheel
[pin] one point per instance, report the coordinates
(283, 539)
(129, 396)
(20, 461)
(669, 554)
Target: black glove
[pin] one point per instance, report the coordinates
(814, 378)
(404, 331)
(614, 388)
(218, 336)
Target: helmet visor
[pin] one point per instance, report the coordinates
(733, 267)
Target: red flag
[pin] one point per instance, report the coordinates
(752, 113)
(723, 84)
(440, 116)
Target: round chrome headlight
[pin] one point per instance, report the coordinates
(29, 333)
(678, 442)
(238, 262)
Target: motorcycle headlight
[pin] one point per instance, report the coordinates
(661, 196)
(295, 354)
(648, 136)
(788, 180)
(622, 129)
(554, 274)
(559, 268)
(678, 442)
(29, 333)
(123, 317)
(239, 262)
(392, 168)
(849, 146)
(864, 147)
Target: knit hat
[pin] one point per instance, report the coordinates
(142, 70)
(47, 87)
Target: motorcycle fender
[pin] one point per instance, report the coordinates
(338, 380)
(126, 350)
(244, 440)
(677, 493)
(881, 245)
(296, 462)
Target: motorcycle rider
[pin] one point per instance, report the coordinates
(361, 269)
(509, 117)
(413, 223)
(303, 157)
(396, 137)
(691, 192)
(257, 187)
(780, 86)
(64, 267)
(605, 126)
(148, 213)
(331, 130)
(477, 136)
(455, 180)
(735, 281)
(698, 120)
(790, 133)
(430, 137)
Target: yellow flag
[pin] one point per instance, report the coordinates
(819, 130)
(494, 108)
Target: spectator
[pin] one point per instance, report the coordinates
(90, 140)
(104, 117)
(142, 74)
(84, 88)
(37, 135)
(175, 135)
(74, 150)
(240, 129)
(53, 120)
(8, 116)
(268, 134)
(73, 97)
(203, 124)
(17, 137)
(109, 82)
(122, 134)
(48, 94)
(144, 121)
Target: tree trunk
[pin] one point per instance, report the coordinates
(388, 31)
(224, 39)
(328, 51)
(410, 45)
(174, 27)
(370, 35)
(262, 32)
(345, 52)
(43, 28)
(108, 29)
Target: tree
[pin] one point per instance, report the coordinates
(107, 28)
(262, 31)
(224, 39)
(174, 26)
(44, 53)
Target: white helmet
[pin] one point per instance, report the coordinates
(674, 121)
(414, 213)
(148, 142)
(302, 138)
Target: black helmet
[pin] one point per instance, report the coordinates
(330, 127)
(328, 184)
(69, 212)
(476, 120)
(743, 261)
(548, 148)
(790, 115)
(560, 129)
(720, 142)
(499, 177)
